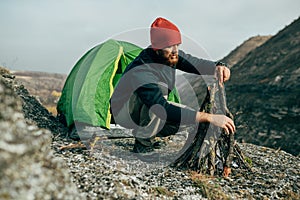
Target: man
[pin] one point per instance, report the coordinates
(140, 100)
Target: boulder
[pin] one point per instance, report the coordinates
(28, 169)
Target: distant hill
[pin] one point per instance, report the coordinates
(46, 87)
(189, 82)
(265, 90)
(241, 51)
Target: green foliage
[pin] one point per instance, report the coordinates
(249, 161)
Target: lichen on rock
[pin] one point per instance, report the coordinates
(28, 167)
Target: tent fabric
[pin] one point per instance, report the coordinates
(90, 84)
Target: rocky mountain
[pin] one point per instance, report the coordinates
(264, 92)
(34, 165)
(242, 50)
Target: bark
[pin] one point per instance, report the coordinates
(212, 150)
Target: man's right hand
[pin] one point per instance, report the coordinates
(218, 120)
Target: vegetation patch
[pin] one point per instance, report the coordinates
(208, 189)
(248, 160)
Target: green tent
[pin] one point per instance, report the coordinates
(90, 84)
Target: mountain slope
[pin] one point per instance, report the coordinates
(265, 90)
(241, 51)
(31, 170)
(188, 84)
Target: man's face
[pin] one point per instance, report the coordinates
(170, 54)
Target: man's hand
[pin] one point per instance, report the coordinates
(222, 73)
(218, 120)
(224, 122)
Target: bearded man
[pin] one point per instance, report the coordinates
(140, 100)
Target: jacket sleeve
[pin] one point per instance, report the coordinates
(151, 95)
(191, 64)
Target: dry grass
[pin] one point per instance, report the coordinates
(209, 189)
(159, 190)
(52, 109)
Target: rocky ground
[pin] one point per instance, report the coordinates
(107, 169)
(106, 172)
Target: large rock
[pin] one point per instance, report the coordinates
(28, 168)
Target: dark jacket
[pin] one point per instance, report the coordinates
(150, 80)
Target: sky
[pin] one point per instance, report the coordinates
(51, 35)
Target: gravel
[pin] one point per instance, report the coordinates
(109, 170)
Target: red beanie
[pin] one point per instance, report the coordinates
(164, 33)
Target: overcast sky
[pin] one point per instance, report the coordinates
(51, 35)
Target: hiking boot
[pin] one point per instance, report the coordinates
(73, 134)
(139, 147)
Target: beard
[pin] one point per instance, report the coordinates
(169, 59)
(172, 60)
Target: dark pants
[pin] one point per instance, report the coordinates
(145, 124)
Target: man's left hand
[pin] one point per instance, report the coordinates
(223, 73)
